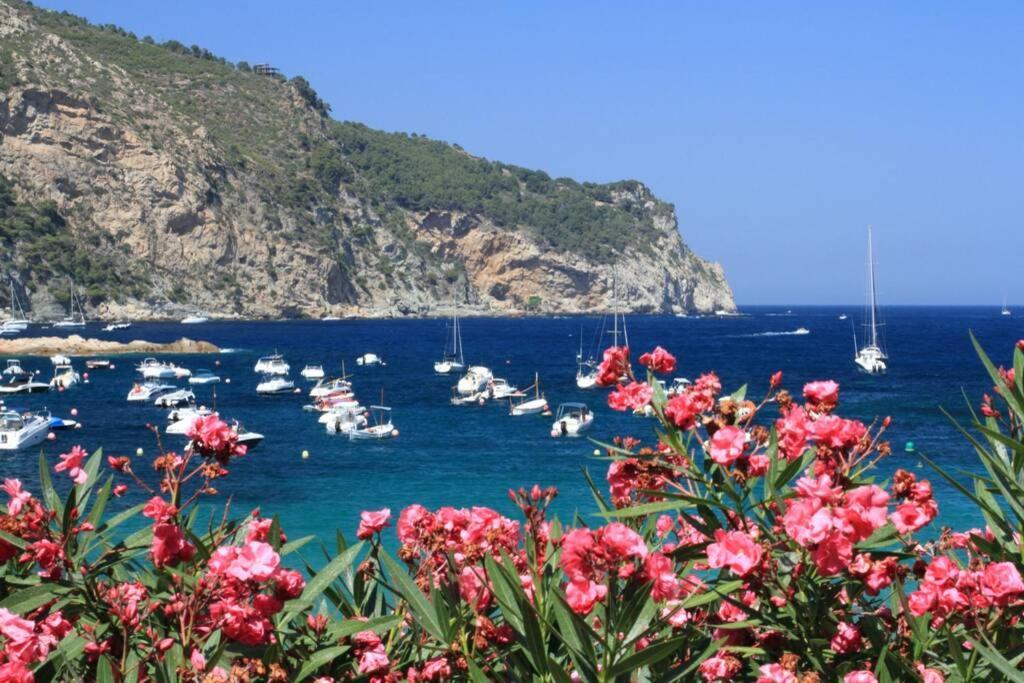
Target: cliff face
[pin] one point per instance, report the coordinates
(232, 193)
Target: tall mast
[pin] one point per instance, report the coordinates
(871, 283)
(615, 314)
(458, 335)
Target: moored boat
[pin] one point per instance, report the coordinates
(313, 372)
(143, 392)
(275, 384)
(382, 427)
(871, 358)
(475, 380)
(572, 420)
(23, 430)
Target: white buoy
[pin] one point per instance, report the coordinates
(394, 433)
(138, 452)
(227, 381)
(74, 412)
(51, 436)
(305, 455)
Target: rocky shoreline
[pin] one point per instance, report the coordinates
(76, 345)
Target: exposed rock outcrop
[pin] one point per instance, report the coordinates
(76, 345)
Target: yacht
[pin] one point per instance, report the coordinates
(533, 406)
(871, 358)
(326, 387)
(572, 420)
(586, 368)
(73, 319)
(144, 392)
(154, 369)
(64, 377)
(272, 365)
(275, 384)
(203, 377)
(330, 319)
(313, 372)
(22, 430)
(18, 322)
(175, 399)
(475, 380)
(382, 427)
(499, 389)
(194, 320)
(452, 359)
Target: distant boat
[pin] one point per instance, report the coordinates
(194, 320)
(475, 380)
(586, 369)
(313, 372)
(871, 358)
(18, 322)
(368, 359)
(73, 320)
(452, 358)
(842, 316)
(801, 330)
(572, 420)
(330, 318)
(275, 384)
(533, 406)
(117, 326)
(1005, 311)
(382, 427)
(203, 377)
(272, 365)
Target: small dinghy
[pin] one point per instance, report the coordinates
(382, 428)
(312, 372)
(572, 420)
(537, 404)
(58, 424)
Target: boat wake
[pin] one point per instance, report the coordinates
(798, 332)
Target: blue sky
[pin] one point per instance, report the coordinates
(779, 130)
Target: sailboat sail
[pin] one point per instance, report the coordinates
(872, 358)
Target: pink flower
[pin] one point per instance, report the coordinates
(255, 560)
(372, 522)
(18, 497)
(72, 462)
(727, 445)
(719, 668)
(159, 510)
(659, 360)
(682, 410)
(847, 639)
(214, 438)
(1001, 581)
(775, 673)
(860, 677)
(622, 542)
(374, 660)
(660, 571)
(833, 554)
(735, 550)
(169, 545)
(473, 588)
(633, 396)
(822, 393)
(910, 516)
(614, 366)
(929, 675)
(582, 594)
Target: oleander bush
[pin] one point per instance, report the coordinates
(747, 540)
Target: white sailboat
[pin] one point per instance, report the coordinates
(871, 358)
(1006, 310)
(72, 320)
(586, 370)
(18, 322)
(452, 359)
(533, 406)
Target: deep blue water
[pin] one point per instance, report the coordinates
(472, 455)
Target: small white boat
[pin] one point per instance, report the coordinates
(175, 399)
(368, 359)
(572, 420)
(343, 421)
(477, 399)
(275, 384)
(113, 327)
(203, 377)
(9, 329)
(475, 380)
(73, 319)
(801, 331)
(64, 377)
(23, 430)
(144, 392)
(586, 375)
(326, 387)
(272, 365)
(871, 358)
(60, 359)
(23, 384)
(330, 318)
(181, 419)
(313, 372)
(14, 368)
(842, 316)
(382, 428)
(534, 406)
(98, 364)
(152, 369)
(248, 439)
(59, 424)
(18, 322)
(1005, 309)
(194, 320)
(678, 386)
(499, 389)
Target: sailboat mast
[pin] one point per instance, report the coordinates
(871, 279)
(615, 315)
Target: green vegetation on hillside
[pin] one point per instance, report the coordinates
(37, 245)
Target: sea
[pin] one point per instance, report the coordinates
(318, 483)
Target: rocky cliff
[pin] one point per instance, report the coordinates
(203, 186)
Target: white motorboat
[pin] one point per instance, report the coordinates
(73, 319)
(343, 421)
(248, 439)
(175, 399)
(499, 389)
(8, 328)
(572, 420)
(382, 427)
(98, 364)
(534, 406)
(113, 327)
(275, 384)
(194, 320)
(452, 359)
(64, 377)
(842, 316)
(23, 384)
(339, 400)
(326, 387)
(203, 377)
(23, 430)
(477, 399)
(475, 380)
(871, 358)
(14, 368)
(801, 331)
(272, 365)
(313, 372)
(144, 392)
(60, 359)
(330, 318)
(151, 368)
(678, 386)
(369, 359)
(181, 419)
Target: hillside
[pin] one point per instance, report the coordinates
(163, 179)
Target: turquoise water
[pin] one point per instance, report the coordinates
(464, 456)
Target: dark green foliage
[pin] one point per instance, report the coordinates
(309, 95)
(36, 243)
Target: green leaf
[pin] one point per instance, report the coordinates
(318, 659)
(651, 654)
(27, 599)
(997, 660)
(321, 580)
(104, 670)
(413, 596)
